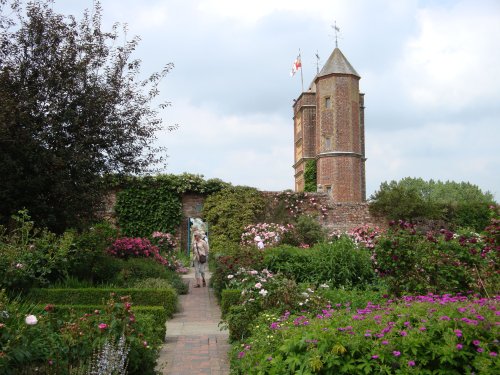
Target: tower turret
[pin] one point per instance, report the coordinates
(339, 141)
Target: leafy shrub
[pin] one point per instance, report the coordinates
(35, 339)
(135, 269)
(166, 297)
(458, 204)
(158, 283)
(32, 257)
(443, 261)
(229, 297)
(226, 265)
(89, 260)
(146, 208)
(423, 334)
(341, 264)
(229, 211)
(164, 241)
(306, 232)
(270, 233)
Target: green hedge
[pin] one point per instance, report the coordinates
(229, 297)
(96, 296)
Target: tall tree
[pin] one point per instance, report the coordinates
(72, 110)
(459, 204)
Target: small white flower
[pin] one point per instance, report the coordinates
(258, 285)
(31, 320)
(230, 276)
(263, 292)
(324, 286)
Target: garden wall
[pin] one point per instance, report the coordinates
(335, 216)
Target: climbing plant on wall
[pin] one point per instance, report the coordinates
(230, 210)
(153, 203)
(310, 175)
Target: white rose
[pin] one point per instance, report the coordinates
(31, 320)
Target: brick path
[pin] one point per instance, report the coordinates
(194, 343)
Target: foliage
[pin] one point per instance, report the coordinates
(437, 261)
(416, 335)
(270, 233)
(73, 108)
(229, 211)
(135, 269)
(458, 204)
(144, 209)
(37, 339)
(89, 260)
(164, 241)
(310, 176)
(340, 264)
(159, 283)
(225, 265)
(153, 203)
(32, 257)
(229, 298)
(126, 248)
(288, 206)
(306, 232)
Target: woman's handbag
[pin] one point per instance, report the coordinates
(201, 258)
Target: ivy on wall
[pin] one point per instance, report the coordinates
(154, 203)
(310, 175)
(230, 210)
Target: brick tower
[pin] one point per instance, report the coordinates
(329, 128)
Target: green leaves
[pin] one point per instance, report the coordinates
(458, 204)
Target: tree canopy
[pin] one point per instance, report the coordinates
(461, 204)
(73, 109)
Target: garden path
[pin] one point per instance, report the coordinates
(194, 343)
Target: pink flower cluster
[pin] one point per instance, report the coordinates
(270, 233)
(165, 241)
(126, 247)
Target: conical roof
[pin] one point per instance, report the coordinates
(337, 63)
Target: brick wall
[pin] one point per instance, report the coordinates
(342, 216)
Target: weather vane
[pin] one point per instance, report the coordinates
(317, 62)
(337, 30)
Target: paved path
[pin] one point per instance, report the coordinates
(194, 343)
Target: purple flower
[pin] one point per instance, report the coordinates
(375, 356)
(241, 355)
(476, 342)
(480, 350)
(459, 346)
(403, 333)
(458, 332)
(385, 342)
(396, 353)
(493, 354)
(411, 363)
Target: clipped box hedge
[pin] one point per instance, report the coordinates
(229, 297)
(167, 297)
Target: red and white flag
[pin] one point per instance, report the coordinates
(297, 64)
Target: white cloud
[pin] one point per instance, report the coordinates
(254, 150)
(453, 63)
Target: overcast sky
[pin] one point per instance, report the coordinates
(430, 71)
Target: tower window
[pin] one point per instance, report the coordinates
(328, 143)
(328, 102)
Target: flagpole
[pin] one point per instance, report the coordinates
(301, 68)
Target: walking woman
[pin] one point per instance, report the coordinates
(199, 257)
